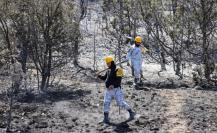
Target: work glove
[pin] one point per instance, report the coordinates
(99, 76)
(111, 87)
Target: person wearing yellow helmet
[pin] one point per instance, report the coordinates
(112, 78)
(138, 40)
(135, 56)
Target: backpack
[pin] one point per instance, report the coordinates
(119, 72)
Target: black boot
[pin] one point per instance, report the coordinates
(132, 114)
(136, 85)
(106, 118)
(135, 81)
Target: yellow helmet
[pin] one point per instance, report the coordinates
(109, 59)
(138, 39)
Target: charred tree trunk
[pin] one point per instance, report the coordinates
(43, 81)
(204, 39)
(75, 52)
(161, 54)
(120, 40)
(24, 56)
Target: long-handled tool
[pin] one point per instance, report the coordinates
(108, 68)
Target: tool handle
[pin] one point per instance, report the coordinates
(108, 68)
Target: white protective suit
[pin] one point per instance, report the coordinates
(135, 56)
(119, 97)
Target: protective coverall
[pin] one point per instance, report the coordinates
(111, 79)
(135, 56)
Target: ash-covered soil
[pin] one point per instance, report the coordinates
(76, 107)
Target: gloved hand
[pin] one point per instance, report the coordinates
(97, 75)
(111, 87)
